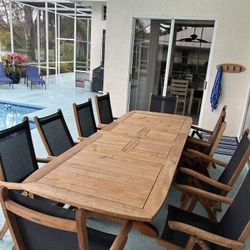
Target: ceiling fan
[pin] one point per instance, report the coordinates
(193, 38)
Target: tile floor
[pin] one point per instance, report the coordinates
(61, 95)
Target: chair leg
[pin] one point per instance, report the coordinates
(193, 204)
(184, 201)
(3, 230)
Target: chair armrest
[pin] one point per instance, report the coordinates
(204, 178)
(204, 235)
(198, 142)
(202, 193)
(192, 154)
(122, 237)
(45, 160)
(12, 185)
(217, 162)
(201, 129)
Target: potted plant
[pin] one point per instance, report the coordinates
(13, 66)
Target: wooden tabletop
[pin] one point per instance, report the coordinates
(125, 170)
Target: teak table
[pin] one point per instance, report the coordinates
(124, 171)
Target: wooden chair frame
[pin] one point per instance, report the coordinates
(199, 236)
(197, 130)
(78, 226)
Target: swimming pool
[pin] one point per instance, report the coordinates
(12, 114)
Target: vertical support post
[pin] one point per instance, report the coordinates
(59, 44)
(168, 62)
(75, 37)
(87, 54)
(38, 41)
(47, 40)
(11, 28)
(56, 56)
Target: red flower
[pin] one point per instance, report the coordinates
(21, 59)
(12, 56)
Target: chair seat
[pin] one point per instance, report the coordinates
(5, 79)
(99, 240)
(36, 80)
(179, 238)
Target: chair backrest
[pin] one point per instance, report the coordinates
(235, 224)
(165, 104)
(237, 162)
(35, 224)
(2, 71)
(222, 114)
(32, 71)
(17, 155)
(179, 88)
(54, 133)
(85, 120)
(218, 133)
(104, 111)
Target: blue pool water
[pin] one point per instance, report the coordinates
(12, 114)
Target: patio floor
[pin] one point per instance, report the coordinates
(61, 95)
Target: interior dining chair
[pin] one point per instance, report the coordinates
(54, 133)
(17, 156)
(185, 230)
(222, 185)
(35, 224)
(104, 110)
(180, 88)
(163, 104)
(198, 132)
(85, 120)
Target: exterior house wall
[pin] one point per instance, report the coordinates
(231, 45)
(97, 27)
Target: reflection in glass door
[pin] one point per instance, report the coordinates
(149, 53)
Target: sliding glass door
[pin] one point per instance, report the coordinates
(149, 54)
(169, 49)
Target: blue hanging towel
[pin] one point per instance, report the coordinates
(217, 88)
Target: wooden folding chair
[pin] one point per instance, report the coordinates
(104, 110)
(185, 230)
(35, 224)
(225, 182)
(17, 157)
(54, 133)
(163, 104)
(85, 120)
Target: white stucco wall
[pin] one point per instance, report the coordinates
(97, 27)
(231, 45)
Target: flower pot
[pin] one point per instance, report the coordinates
(15, 77)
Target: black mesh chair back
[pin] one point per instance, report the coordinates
(237, 162)
(85, 119)
(17, 155)
(163, 104)
(54, 133)
(37, 225)
(104, 110)
(237, 217)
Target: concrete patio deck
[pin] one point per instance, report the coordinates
(61, 95)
